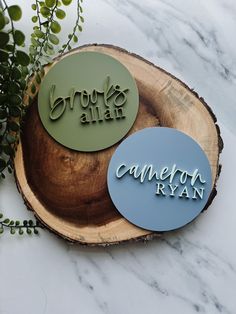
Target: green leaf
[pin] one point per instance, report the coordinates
(45, 11)
(1, 215)
(66, 2)
(34, 42)
(45, 24)
(34, 7)
(8, 150)
(2, 21)
(75, 38)
(14, 111)
(3, 69)
(48, 50)
(50, 3)
(12, 231)
(33, 89)
(22, 83)
(50, 46)
(36, 231)
(19, 38)
(15, 99)
(80, 28)
(9, 48)
(11, 139)
(1, 230)
(13, 87)
(34, 19)
(15, 12)
(16, 73)
(3, 55)
(28, 231)
(21, 231)
(4, 39)
(3, 112)
(6, 221)
(25, 70)
(55, 27)
(2, 164)
(7, 20)
(39, 33)
(82, 19)
(22, 58)
(53, 39)
(60, 14)
(13, 126)
(32, 51)
(38, 78)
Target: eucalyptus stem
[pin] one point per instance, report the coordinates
(12, 31)
(14, 226)
(77, 27)
(11, 88)
(46, 35)
(38, 15)
(15, 77)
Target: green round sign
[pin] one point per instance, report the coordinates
(88, 101)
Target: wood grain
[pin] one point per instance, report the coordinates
(67, 190)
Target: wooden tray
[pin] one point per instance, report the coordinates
(67, 190)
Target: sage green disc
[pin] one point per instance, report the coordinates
(88, 101)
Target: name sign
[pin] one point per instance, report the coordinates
(159, 179)
(88, 101)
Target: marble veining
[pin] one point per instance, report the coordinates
(192, 270)
(190, 35)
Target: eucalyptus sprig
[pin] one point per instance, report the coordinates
(44, 38)
(76, 29)
(13, 72)
(17, 66)
(21, 71)
(21, 227)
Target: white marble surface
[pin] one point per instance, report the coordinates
(189, 271)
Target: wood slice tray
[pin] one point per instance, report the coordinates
(67, 190)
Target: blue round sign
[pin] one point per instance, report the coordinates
(159, 179)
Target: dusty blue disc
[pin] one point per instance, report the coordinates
(159, 179)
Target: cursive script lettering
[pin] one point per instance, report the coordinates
(114, 99)
(170, 174)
